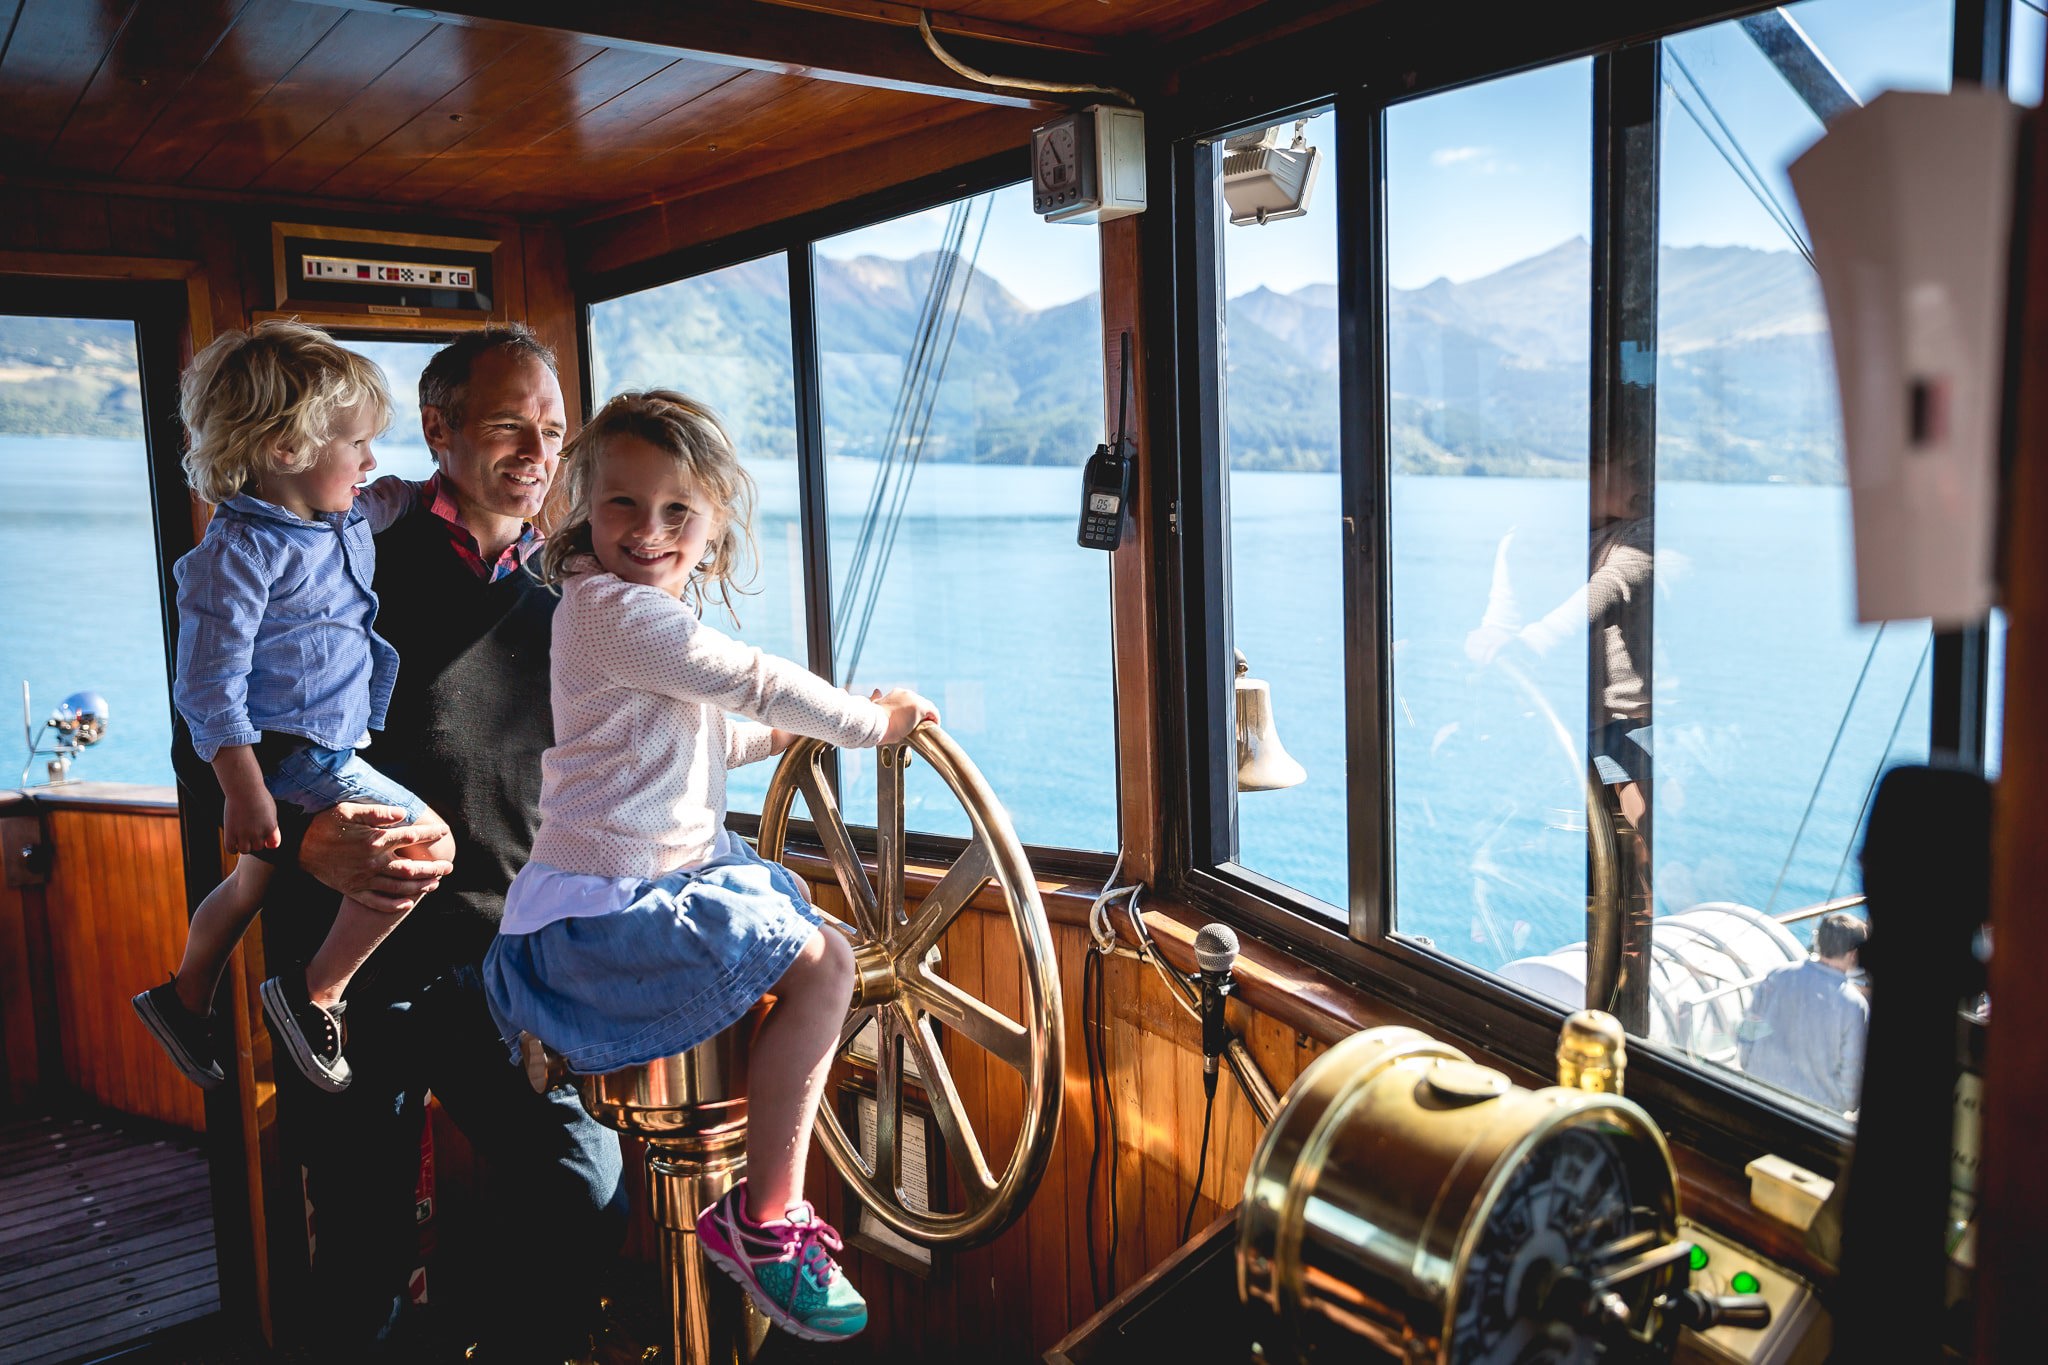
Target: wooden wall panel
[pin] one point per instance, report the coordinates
(20, 1055)
(1009, 1301)
(524, 65)
(647, 233)
(55, 48)
(269, 39)
(160, 46)
(116, 908)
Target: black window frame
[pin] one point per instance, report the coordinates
(1412, 50)
(796, 239)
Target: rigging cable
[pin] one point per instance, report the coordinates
(917, 400)
(1833, 744)
(1737, 159)
(914, 448)
(907, 387)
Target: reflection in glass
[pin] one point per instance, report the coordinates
(1279, 353)
(961, 361)
(1776, 713)
(78, 555)
(723, 337)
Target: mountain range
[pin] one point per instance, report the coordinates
(1488, 376)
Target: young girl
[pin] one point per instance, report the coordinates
(279, 674)
(642, 927)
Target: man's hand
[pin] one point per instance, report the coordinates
(360, 850)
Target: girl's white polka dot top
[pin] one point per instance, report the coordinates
(635, 783)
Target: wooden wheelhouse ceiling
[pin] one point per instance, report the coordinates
(481, 107)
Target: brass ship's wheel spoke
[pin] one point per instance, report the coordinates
(832, 833)
(899, 991)
(981, 1024)
(962, 1148)
(938, 911)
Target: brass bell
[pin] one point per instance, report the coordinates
(1263, 764)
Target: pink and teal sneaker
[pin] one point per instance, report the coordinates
(785, 1266)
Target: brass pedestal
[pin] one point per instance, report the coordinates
(692, 1111)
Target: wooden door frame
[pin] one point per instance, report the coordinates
(170, 302)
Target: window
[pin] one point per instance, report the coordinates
(1487, 372)
(959, 367)
(1280, 400)
(1602, 653)
(1776, 713)
(961, 376)
(402, 450)
(2029, 37)
(81, 610)
(723, 338)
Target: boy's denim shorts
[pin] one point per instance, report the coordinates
(316, 779)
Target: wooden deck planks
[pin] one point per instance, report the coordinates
(106, 1235)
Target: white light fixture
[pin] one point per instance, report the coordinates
(1263, 181)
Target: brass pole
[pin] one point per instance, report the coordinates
(712, 1321)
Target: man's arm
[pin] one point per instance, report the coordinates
(386, 500)
(357, 850)
(1855, 1030)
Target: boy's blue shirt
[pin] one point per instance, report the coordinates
(275, 624)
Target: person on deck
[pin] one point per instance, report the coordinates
(1805, 1026)
(466, 727)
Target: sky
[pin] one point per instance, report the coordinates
(1482, 177)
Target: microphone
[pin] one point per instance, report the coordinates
(1215, 954)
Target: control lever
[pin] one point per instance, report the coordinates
(1691, 1308)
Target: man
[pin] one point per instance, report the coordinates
(1805, 1026)
(467, 724)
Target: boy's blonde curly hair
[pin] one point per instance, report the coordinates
(690, 432)
(266, 400)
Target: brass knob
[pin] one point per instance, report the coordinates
(1592, 1053)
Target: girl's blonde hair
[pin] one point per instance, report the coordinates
(690, 432)
(266, 400)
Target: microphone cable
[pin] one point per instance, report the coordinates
(1101, 1098)
(1201, 1164)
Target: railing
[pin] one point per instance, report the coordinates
(96, 916)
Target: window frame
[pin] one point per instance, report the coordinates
(796, 239)
(168, 328)
(1715, 1113)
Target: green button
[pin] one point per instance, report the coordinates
(1698, 1259)
(1744, 1283)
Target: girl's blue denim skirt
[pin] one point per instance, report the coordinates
(681, 959)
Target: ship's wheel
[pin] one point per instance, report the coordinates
(899, 989)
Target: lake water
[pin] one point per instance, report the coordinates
(990, 608)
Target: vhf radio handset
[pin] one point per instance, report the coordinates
(1106, 483)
